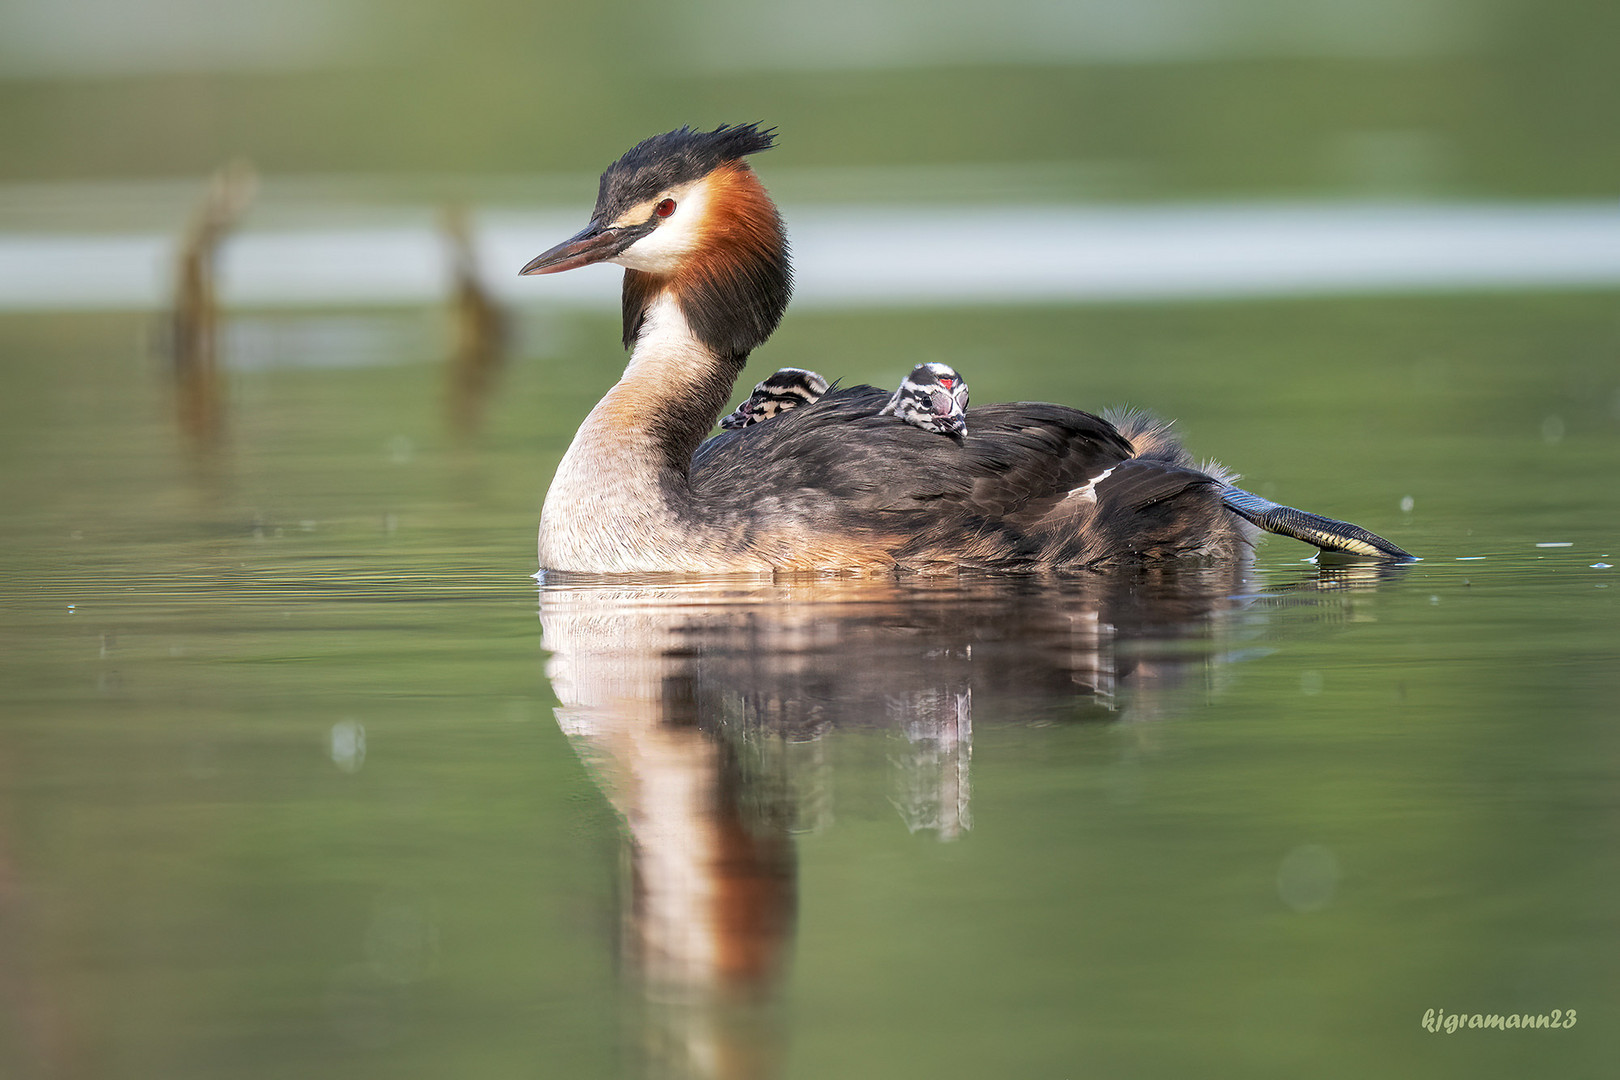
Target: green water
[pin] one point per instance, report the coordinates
(291, 784)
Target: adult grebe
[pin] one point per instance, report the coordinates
(933, 397)
(833, 485)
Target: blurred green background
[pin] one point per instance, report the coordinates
(1161, 98)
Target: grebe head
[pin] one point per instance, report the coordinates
(683, 213)
(933, 397)
(787, 389)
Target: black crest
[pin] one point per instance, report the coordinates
(675, 157)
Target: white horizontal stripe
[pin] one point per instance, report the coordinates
(1087, 492)
(864, 256)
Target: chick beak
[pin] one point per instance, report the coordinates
(595, 243)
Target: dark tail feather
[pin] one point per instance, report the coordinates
(1320, 532)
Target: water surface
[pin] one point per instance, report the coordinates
(301, 773)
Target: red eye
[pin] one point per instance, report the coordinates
(947, 383)
(665, 208)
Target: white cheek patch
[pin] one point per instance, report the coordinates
(635, 215)
(1087, 492)
(676, 238)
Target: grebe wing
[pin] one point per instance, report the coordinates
(1019, 460)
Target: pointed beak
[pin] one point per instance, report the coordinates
(595, 243)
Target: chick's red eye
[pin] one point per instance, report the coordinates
(665, 208)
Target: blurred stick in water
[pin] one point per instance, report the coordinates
(194, 331)
(479, 329)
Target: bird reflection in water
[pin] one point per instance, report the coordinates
(703, 709)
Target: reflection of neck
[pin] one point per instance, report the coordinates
(621, 500)
(710, 917)
(714, 901)
(713, 897)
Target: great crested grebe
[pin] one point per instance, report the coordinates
(933, 397)
(835, 485)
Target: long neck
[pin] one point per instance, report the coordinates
(677, 383)
(621, 500)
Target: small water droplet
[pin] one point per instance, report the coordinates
(1308, 877)
(348, 745)
(1434, 599)
(401, 450)
(72, 608)
(1602, 566)
(1407, 502)
(1557, 544)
